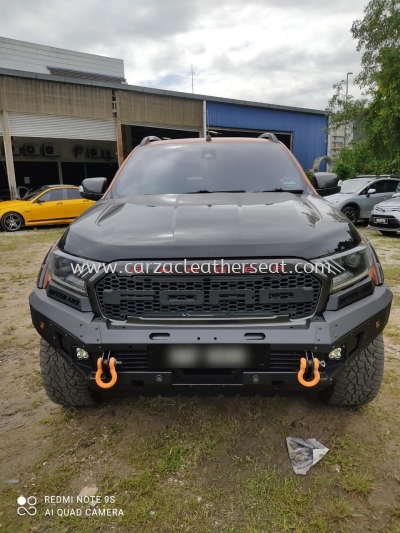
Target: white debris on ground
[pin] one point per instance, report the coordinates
(304, 453)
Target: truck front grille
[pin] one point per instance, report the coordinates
(218, 296)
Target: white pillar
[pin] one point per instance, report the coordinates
(204, 118)
(120, 145)
(9, 156)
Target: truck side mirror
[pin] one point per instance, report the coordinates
(93, 188)
(396, 195)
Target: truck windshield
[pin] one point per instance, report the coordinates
(351, 186)
(190, 168)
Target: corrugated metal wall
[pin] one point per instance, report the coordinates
(309, 137)
(32, 57)
(134, 108)
(22, 95)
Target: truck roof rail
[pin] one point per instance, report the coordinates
(149, 139)
(269, 136)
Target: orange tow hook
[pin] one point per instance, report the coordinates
(314, 364)
(99, 373)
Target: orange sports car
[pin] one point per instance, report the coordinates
(52, 204)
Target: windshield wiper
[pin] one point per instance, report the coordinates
(205, 191)
(295, 191)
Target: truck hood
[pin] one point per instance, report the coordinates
(219, 225)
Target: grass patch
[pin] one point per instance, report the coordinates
(37, 401)
(391, 273)
(396, 301)
(356, 482)
(166, 454)
(393, 332)
(34, 381)
(139, 485)
(8, 341)
(48, 420)
(56, 481)
(352, 460)
(292, 504)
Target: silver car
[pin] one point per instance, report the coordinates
(386, 215)
(359, 195)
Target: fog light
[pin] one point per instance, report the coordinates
(335, 354)
(81, 354)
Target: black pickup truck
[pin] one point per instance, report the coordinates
(210, 266)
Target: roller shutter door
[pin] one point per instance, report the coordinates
(57, 127)
(160, 126)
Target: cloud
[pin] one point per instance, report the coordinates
(285, 52)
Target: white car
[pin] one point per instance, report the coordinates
(385, 216)
(359, 195)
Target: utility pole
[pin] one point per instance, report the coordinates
(191, 66)
(347, 93)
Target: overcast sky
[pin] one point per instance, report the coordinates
(286, 52)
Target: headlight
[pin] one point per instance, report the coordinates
(345, 268)
(69, 271)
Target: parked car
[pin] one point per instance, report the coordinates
(359, 195)
(210, 265)
(386, 215)
(52, 204)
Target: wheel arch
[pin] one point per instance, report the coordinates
(351, 204)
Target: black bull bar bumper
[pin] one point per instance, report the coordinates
(352, 328)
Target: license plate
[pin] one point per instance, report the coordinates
(381, 220)
(209, 356)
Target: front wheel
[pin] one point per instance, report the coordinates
(12, 222)
(351, 213)
(62, 382)
(360, 380)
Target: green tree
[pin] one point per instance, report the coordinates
(376, 115)
(378, 31)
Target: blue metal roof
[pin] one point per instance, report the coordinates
(309, 136)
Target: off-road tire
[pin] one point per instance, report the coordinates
(62, 382)
(360, 380)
